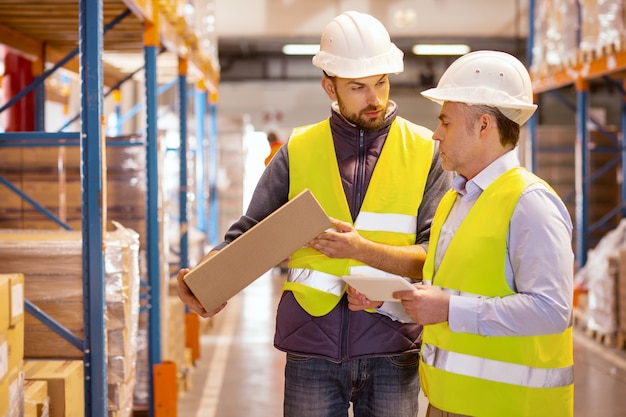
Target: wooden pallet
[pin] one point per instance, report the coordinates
(580, 319)
(621, 339)
(601, 51)
(606, 339)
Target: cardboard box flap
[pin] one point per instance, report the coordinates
(264, 246)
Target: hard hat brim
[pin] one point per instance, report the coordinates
(335, 66)
(513, 108)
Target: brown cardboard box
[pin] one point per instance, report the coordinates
(5, 303)
(16, 302)
(15, 337)
(4, 357)
(4, 395)
(12, 392)
(272, 240)
(65, 385)
(35, 398)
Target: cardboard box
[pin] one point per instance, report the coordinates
(5, 301)
(17, 299)
(15, 337)
(35, 398)
(258, 250)
(12, 393)
(4, 356)
(65, 385)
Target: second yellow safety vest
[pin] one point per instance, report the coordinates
(490, 376)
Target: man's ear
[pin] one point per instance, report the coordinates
(329, 87)
(486, 122)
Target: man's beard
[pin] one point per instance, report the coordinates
(362, 121)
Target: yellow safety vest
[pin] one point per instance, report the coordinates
(487, 376)
(388, 214)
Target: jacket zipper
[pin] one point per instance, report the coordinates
(357, 208)
(359, 173)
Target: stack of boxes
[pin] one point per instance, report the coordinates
(556, 163)
(59, 382)
(51, 263)
(51, 177)
(602, 28)
(557, 44)
(621, 299)
(11, 345)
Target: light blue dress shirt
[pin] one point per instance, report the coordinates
(539, 262)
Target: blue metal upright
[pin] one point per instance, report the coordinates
(151, 45)
(95, 366)
(582, 176)
(213, 208)
(623, 148)
(200, 109)
(183, 201)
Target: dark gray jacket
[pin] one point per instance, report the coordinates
(342, 334)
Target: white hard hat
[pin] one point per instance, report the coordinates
(491, 78)
(357, 45)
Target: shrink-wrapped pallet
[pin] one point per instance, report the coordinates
(555, 44)
(51, 262)
(602, 27)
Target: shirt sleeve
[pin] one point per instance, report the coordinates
(539, 268)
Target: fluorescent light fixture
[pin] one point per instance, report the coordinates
(444, 49)
(300, 49)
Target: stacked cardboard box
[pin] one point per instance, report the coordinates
(562, 40)
(36, 399)
(621, 299)
(51, 176)
(11, 344)
(555, 42)
(52, 266)
(64, 385)
(556, 163)
(602, 28)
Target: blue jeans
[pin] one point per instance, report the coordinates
(377, 387)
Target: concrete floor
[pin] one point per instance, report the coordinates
(240, 373)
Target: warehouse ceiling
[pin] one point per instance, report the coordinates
(250, 33)
(250, 43)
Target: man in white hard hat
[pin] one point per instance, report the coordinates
(379, 178)
(497, 332)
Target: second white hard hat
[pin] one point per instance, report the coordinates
(357, 45)
(491, 78)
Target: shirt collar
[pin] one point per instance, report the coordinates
(488, 175)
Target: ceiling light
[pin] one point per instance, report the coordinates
(447, 49)
(300, 49)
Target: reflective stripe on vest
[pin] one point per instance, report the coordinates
(398, 223)
(496, 371)
(330, 283)
(317, 279)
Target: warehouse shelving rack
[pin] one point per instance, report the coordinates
(147, 32)
(608, 66)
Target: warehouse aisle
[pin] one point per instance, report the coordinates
(240, 374)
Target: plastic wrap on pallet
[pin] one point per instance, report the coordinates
(51, 262)
(602, 25)
(555, 43)
(599, 277)
(16, 393)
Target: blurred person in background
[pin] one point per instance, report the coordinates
(275, 144)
